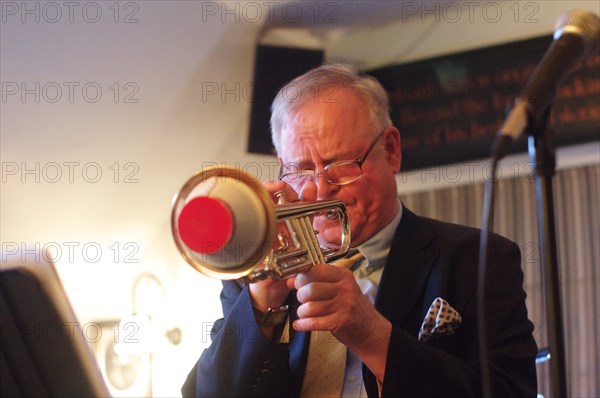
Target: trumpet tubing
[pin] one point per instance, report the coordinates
(226, 226)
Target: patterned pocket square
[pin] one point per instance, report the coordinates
(441, 319)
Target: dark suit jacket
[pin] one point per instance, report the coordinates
(428, 259)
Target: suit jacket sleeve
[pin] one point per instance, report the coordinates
(240, 361)
(449, 366)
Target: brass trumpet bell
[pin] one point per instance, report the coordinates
(225, 225)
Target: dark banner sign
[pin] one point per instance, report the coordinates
(448, 109)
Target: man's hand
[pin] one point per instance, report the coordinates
(269, 293)
(332, 300)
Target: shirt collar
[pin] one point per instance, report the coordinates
(378, 246)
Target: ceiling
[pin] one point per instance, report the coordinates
(375, 33)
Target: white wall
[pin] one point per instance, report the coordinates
(155, 144)
(83, 171)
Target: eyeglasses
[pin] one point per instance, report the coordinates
(337, 173)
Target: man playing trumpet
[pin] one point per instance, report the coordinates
(406, 314)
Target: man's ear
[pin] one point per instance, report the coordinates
(393, 148)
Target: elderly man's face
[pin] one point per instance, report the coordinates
(321, 132)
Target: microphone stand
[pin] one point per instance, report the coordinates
(543, 156)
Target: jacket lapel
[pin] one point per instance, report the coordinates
(407, 269)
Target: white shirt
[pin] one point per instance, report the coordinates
(368, 274)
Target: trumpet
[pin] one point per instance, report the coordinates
(226, 225)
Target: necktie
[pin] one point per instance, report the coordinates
(326, 362)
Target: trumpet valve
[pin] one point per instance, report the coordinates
(283, 242)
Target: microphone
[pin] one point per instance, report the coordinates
(576, 34)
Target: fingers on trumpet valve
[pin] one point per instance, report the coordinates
(281, 192)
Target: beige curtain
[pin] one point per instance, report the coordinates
(577, 207)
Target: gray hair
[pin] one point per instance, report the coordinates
(315, 84)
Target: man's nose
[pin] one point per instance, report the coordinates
(308, 192)
(325, 189)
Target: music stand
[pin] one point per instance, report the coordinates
(43, 352)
